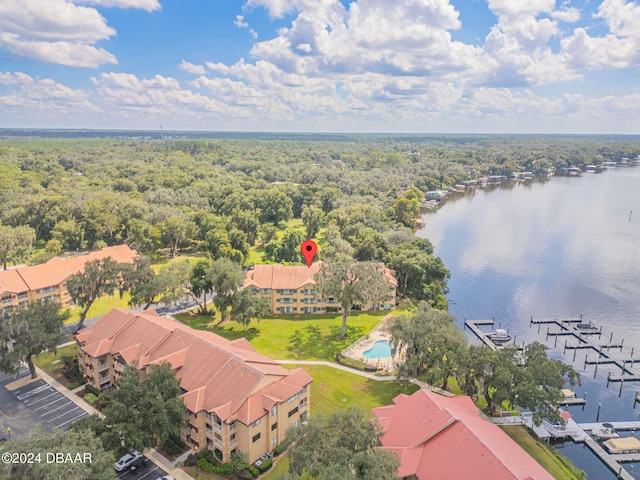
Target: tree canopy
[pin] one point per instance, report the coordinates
(340, 446)
(144, 412)
(28, 331)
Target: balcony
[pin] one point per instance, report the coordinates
(104, 379)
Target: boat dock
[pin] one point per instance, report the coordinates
(474, 325)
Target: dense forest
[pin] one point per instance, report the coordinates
(225, 196)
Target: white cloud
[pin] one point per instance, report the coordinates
(239, 22)
(59, 31)
(148, 5)
(192, 68)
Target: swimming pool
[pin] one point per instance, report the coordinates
(380, 349)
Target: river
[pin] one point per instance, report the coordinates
(557, 247)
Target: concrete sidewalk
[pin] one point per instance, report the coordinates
(153, 454)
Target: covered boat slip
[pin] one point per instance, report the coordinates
(622, 445)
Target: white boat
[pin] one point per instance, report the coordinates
(586, 327)
(605, 432)
(499, 336)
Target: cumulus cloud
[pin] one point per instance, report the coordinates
(148, 5)
(59, 31)
(192, 68)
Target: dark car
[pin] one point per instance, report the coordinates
(138, 465)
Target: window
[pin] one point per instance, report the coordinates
(232, 438)
(46, 290)
(292, 398)
(265, 291)
(293, 412)
(256, 423)
(274, 441)
(274, 426)
(218, 437)
(274, 410)
(232, 426)
(255, 291)
(22, 295)
(255, 438)
(6, 299)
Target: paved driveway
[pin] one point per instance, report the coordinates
(151, 472)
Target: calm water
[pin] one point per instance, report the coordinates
(380, 349)
(554, 248)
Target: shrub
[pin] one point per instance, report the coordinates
(191, 460)
(253, 471)
(90, 398)
(265, 465)
(173, 446)
(282, 447)
(91, 389)
(350, 362)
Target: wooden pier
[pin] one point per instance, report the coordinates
(484, 336)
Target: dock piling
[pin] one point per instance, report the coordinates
(598, 413)
(575, 350)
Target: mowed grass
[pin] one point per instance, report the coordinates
(295, 337)
(100, 306)
(45, 360)
(554, 463)
(334, 390)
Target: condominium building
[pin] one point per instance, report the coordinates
(236, 400)
(291, 289)
(48, 281)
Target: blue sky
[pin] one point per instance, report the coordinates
(478, 66)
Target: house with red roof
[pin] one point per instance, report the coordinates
(237, 400)
(291, 289)
(48, 281)
(438, 437)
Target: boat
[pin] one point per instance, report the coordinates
(499, 336)
(591, 169)
(605, 432)
(586, 327)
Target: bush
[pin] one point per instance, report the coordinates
(282, 447)
(174, 446)
(90, 398)
(71, 371)
(265, 465)
(350, 362)
(191, 460)
(91, 389)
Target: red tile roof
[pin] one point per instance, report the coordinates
(58, 269)
(226, 377)
(289, 276)
(439, 437)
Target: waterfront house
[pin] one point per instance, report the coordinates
(237, 401)
(438, 437)
(291, 289)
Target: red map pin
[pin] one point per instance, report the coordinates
(308, 249)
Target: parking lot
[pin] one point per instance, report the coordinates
(152, 472)
(49, 404)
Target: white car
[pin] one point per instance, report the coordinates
(167, 477)
(126, 460)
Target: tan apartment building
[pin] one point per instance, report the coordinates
(291, 289)
(48, 281)
(237, 401)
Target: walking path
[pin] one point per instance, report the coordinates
(370, 376)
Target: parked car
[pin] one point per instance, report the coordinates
(138, 464)
(167, 477)
(126, 461)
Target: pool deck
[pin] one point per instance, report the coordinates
(356, 350)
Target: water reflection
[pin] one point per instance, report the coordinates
(555, 248)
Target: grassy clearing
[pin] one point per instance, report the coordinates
(280, 467)
(100, 307)
(334, 389)
(308, 337)
(45, 360)
(557, 465)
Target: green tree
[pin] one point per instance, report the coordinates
(431, 343)
(100, 277)
(200, 283)
(350, 282)
(176, 231)
(312, 217)
(245, 307)
(404, 211)
(141, 281)
(287, 249)
(145, 413)
(29, 331)
(226, 278)
(340, 446)
(16, 244)
(275, 206)
(75, 443)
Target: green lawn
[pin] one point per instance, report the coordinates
(45, 360)
(334, 389)
(557, 465)
(297, 337)
(100, 307)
